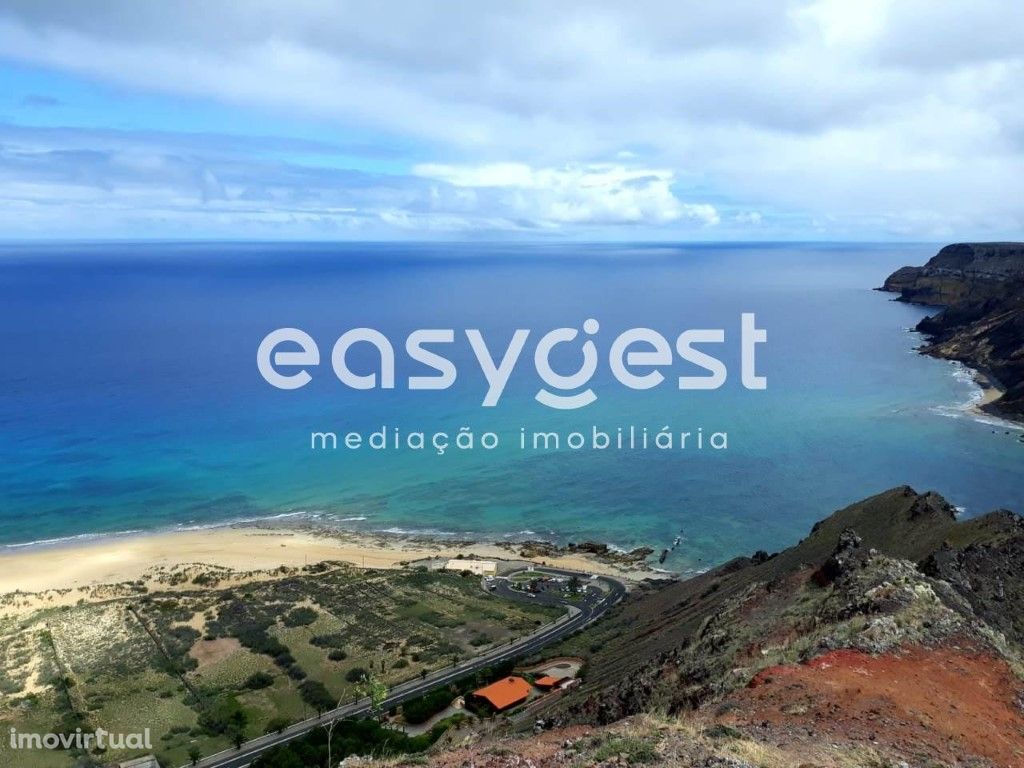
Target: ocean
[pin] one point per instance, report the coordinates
(130, 398)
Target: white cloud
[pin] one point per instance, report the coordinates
(893, 114)
(749, 218)
(577, 194)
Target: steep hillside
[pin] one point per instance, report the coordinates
(890, 637)
(666, 626)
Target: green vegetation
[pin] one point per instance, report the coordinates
(224, 716)
(356, 675)
(317, 696)
(299, 617)
(422, 708)
(207, 665)
(334, 640)
(630, 749)
(351, 737)
(258, 680)
(426, 706)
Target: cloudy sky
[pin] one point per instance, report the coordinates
(675, 120)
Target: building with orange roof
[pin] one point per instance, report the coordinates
(504, 694)
(547, 682)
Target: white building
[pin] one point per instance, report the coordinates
(476, 567)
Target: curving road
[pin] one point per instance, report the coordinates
(594, 604)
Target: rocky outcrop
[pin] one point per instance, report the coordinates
(535, 550)
(895, 569)
(981, 289)
(987, 574)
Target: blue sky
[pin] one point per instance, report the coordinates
(776, 119)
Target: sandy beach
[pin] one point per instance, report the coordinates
(78, 566)
(991, 391)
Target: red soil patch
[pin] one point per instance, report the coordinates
(944, 703)
(845, 657)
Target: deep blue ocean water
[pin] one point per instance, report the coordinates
(130, 398)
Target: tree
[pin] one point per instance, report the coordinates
(299, 617)
(277, 725)
(329, 727)
(223, 716)
(258, 680)
(316, 695)
(194, 754)
(574, 584)
(377, 692)
(236, 727)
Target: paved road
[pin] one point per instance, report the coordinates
(587, 610)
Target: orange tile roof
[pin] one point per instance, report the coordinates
(506, 692)
(548, 681)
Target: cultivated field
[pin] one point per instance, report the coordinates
(202, 657)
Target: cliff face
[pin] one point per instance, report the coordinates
(981, 288)
(964, 272)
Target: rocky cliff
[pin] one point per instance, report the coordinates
(980, 287)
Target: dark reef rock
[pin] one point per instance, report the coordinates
(981, 288)
(533, 550)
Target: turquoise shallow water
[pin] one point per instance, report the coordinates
(130, 399)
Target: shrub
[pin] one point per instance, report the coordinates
(258, 680)
(351, 737)
(316, 695)
(276, 725)
(332, 640)
(421, 709)
(223, 716)
(356, 675)
(337, 655)
(299, 617)
(284, 659)
(635, 750)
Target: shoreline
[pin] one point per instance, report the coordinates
(55, 574)
(985, 408)
(991, 391)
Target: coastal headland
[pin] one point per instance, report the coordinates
(980, 289)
